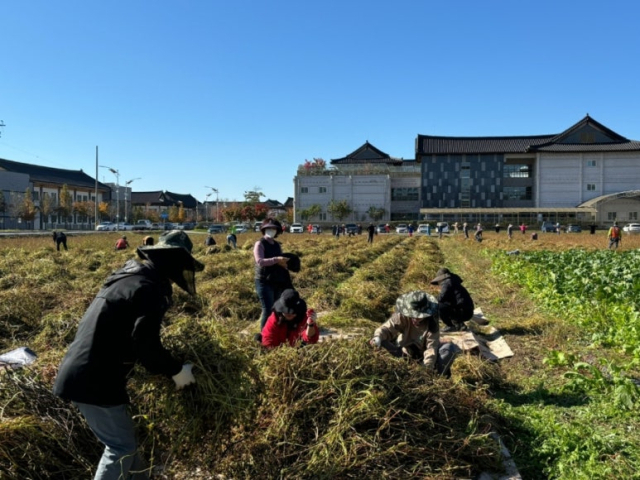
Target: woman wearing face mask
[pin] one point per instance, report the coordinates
(271, 273)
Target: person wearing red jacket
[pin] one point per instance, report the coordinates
(289, 322)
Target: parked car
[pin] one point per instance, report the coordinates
(125, 226)
(573, 229)
(241, 228)
(142, 225)
(548, 227)
(632, 228)
(443, 226)
(351, 229)
(402, 228)
(256, 226)
(382, 228)
(423, 228)
(316, 229)
(106, 227)
(217, 229)
(296, 228)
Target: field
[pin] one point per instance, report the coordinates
(566, 405)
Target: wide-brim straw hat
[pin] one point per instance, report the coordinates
(417, 304)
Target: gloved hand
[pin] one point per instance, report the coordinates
(312, 316)
(184, 377)
(375, 342)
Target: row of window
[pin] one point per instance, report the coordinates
(632, 216)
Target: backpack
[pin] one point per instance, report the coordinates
(615, 232)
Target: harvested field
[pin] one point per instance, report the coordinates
(338, 409)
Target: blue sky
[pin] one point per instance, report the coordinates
(235, 95)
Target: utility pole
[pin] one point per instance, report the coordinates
(127, 183)
(117, 174)
(216, 192)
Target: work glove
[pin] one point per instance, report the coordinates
(184, 377)
(375, 342)
(312, 316)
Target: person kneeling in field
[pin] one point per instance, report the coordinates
(290, 322)
(121, 327)
(413, 331)
(455, 305)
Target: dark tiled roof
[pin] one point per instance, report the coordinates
(273, 204)
(430, 145)
(59, 176)
(163, 199)
(367, 153)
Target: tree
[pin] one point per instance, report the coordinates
(339, 210)
(253, 196)
(103, 209)
(173, 214)
(65, 206)
(24, 206)
(375, 213)
(47, 208)
(85, 209)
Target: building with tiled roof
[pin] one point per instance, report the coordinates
(531, 178)
(368, 179)
(16, 177)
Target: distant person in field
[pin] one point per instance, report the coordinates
(510, 231)
(60, 238)
(209, 241)
(465, 230)
(454, 302)
(478, 234)
(122, 243)
(615, 236)
(456, 228)
(523, 228)
(290, 322)
(371, 230)
(497, 227)
(232, 240)
(271, 267)
(121, 328)
(413, 331)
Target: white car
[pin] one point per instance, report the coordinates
(241, 228)
(631, 228)
(106, 227)
(125, 226)
(402, 228)
(443, 226)
(424, 228)
(296, 228)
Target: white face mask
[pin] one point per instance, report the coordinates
(270, 232)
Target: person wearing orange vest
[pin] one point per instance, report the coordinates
(615, 236)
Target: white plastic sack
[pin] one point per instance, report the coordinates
(17, 358)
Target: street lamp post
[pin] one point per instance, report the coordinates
(127, 183)
(216, 192)
(117, 174)
(206, 206)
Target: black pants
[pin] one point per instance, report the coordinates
(452, 316)
(62, 241)
(447, 353)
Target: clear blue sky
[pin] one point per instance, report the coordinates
(236, 94)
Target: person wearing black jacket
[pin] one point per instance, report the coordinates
(60, 238)
(121, 327)
(454, 302)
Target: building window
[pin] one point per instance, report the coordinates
(517, 171)
(591, 163)
(304, 189)
(612, 216)
(35, 195)
(322, 217)
(517, 193)
(322, 189)
(408, 194)
(633, 215)
(591, 187)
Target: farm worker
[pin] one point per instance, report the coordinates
(290, 322)
(371, 230)
(121, 243)
(310, 228)
(478, 235)
(231, 238)
(413, 331)
(121, 327)
(387, 228)
(615, 236)
(410, 229)
(454, 302)
(510, 230)
(271, 273)
(455, 228)
(465, 229)
(428, 229)
(523, 228)
(147, 241)
(60, 238)
(209, 241)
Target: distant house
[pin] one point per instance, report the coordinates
(160, 201)
(366, 179)
(586, 173)
(16, 177)
(276, 208)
